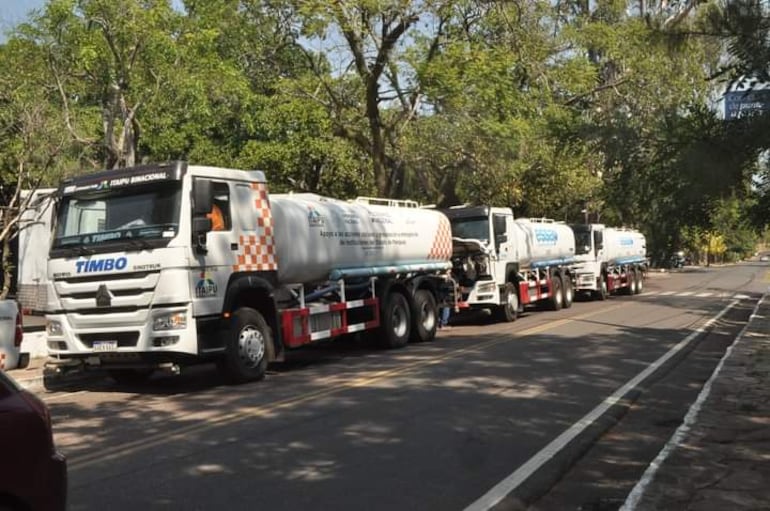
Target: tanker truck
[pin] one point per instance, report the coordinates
(610, 260)
(165, 265)
(503, 264)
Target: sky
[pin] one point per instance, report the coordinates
(13, 12)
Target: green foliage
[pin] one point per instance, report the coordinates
(560, 109)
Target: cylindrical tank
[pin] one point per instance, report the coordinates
(316, 235)
(622, 246)
(543, 242)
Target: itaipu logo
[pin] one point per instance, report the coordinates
(205, 286)
(546, 236)
(97, 265)
(314, 218)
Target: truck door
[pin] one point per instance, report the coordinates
(502, 227)
(209, 279)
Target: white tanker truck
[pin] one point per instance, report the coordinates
(503, 264)
(610, 260)
(159, 266)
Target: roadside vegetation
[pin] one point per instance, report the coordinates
(602, 111)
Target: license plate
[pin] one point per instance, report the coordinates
(105, 345)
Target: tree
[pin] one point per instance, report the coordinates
(107, 59)
(372, 104)
(33, 143)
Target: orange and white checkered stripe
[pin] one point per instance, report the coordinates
(257, 251)
(442, 243)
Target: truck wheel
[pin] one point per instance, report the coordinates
(424, 317)
(395, 318)
(602, 293)
(639, 281)
(556, 300)
(509, 310)
(568, 294)
(246, 351)
(130, 376)
(630, 282)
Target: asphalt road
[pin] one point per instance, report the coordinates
(432, 426)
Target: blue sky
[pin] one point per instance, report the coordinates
(13, 12)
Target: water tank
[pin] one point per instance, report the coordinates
(316, 235)
(624, 246)
(543, 242)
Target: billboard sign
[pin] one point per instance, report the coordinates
(748, 102)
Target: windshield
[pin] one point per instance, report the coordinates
(471, 228)
(136, 215)
(582, 241)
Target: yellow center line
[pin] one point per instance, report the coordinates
(362, 381)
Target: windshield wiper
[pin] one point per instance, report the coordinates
(82, 250)
(137, 243)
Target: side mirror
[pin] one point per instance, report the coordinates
(598, 240)
(200, 226)
(201, 197)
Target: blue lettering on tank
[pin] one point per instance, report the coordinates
(97, 265)
(546, 236)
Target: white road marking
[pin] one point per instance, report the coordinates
(667, 293)
(633, 498)
(703, 295)
(515, 479)
(686, 293)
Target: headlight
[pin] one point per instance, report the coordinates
(171, 321)
(486, 287)
(53, 328)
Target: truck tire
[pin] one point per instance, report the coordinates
(509, 310)
(631, 282)
(130, 376)
(557, 299)
(395, 320)
(602, 294)
(568, 294)
(639, 281)
(424, 316)
(247, 347)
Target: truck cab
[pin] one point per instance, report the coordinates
(609, 260)
(483, 256)
(137, 275)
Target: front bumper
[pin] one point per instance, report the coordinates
(115, 337)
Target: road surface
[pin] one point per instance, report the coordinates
(459, 422)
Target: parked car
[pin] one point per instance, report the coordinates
(11, 335)
(33, 474)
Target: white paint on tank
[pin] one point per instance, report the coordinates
(315, 235)
(542, 242)
(624, 245)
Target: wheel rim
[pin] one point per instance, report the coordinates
(557, 298)
(639, 284)
(398, 321)
(427, 313)
(604, 287)
(512, 302)
(251, 346)
(568, 293)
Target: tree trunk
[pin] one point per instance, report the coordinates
(7, 266)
